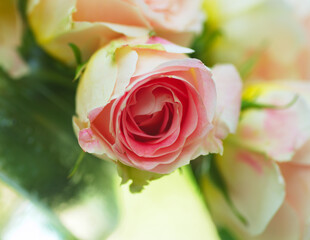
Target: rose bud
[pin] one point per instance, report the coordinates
(91, 24)
(266, 167)
(144, 103)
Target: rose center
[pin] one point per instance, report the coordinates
(151, 110)
(155, 123)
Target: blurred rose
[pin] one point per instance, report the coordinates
(302, 13)
(260, 33)
(148, 105)
(10, 38)
(266, 167)
(93, 23)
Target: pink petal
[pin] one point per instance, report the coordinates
(89, 142)
(297, 180)
(100, 122)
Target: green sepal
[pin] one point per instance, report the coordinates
(225, 234)
(77, 53)
(152, 33)
(139, 178)
(78, 58)
(79, 71)
(247, 104)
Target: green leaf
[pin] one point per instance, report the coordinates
(35, 137)
(38, 148)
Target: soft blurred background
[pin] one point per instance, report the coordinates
(50, 189)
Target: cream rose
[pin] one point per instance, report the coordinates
(10, 38)
(266, 168)
(260, 37)
(146, 104)
(301, 10)
(91, 24)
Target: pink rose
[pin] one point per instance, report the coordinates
(266, 167)
(146, 104)
(91, 24)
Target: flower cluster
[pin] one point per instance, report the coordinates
(146, 101)
(143, 103)
(141, 100)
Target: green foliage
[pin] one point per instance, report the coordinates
(225, 234)
(204, 43)
(38, 148)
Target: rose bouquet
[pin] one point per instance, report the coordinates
(138, 119)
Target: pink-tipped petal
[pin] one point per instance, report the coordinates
(89, 142)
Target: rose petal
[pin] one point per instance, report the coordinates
(100, 122)
(297, 179)
(102, 11)
(302, 156)
(102, 78)
(126, 60)
(228, 88)
(199, 76)
(283, 226)
(89, 142)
